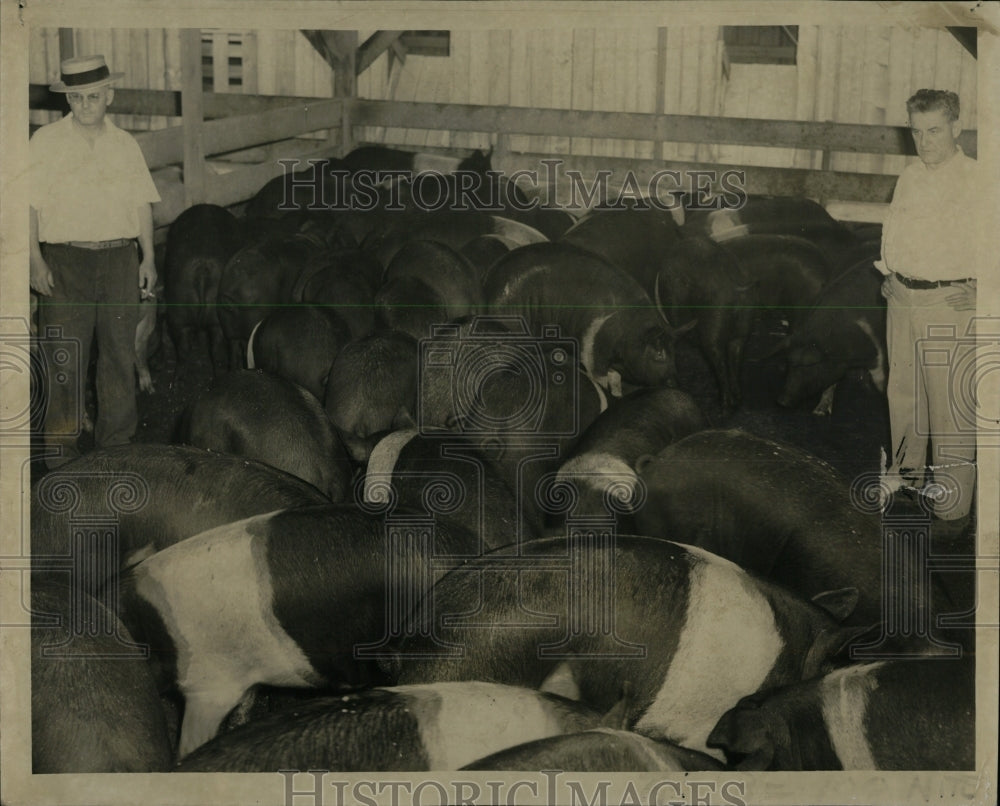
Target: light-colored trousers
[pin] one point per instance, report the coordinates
(931, 391)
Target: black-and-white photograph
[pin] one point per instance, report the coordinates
(493, 403)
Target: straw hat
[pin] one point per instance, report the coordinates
(84, 73)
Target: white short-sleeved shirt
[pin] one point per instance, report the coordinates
(934, 223)
(85, 191)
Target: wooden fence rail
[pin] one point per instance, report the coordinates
(268, 119)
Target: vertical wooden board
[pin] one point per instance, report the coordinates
(900, 71)
(250, 62)
(482, 62)
(618, 75)
(84, 41)
(763, 91)
(582, 91)
(924, 59)
(645, 82)
(499, 68)
(404, 91)
(409, 88)
(874, 88)
(735, 93)
(520, 79)
(604, 98)
(672, 84)
(440, 93)
(460, 66)
(561, 45)
(848, 109)
(53, 56)
(949, 62)
(284, 62)
(193, 117)
(460, 69)
(898, 89)
(119, 59)
(807, 54)
(138, 54)
(538, 80)
(172, 58)
(266, 57)
(303, 75)
(220, 61)
(39, 47)
(633, 80)
(688, 78)
(155, 70)
(968, 88)
(709, 77)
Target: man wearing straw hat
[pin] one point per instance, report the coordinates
(90, 216)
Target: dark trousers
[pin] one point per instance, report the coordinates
(95, 291)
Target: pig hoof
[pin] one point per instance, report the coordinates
(145, 382)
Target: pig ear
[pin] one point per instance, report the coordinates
(403, 420)
(747, 735)
(838, 603)
(617, 718)
(830, 649)
(643, 462)
(846, 637)
(680, 331)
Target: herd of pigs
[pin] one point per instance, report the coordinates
(445, 507)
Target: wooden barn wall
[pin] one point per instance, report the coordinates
(583, 69)
(843, 74)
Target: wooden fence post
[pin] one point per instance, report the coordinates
(192, 117)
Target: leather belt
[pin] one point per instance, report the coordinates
(925, 285)
(115, 244)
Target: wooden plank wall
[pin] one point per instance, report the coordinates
(844, 74)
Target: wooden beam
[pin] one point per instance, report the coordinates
(661, 82)
(192, 114)
(331, 46)
(66, 49)
(231, 134)
(849, 137)
(967, 38)
(373, 47)
(345, 79)
(167, 146)
(819, 185)
(167, 103)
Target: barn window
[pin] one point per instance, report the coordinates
(227, 60)
(761, 44)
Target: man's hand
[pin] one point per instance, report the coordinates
(40, 276)
(964, 298)
(147, 277)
